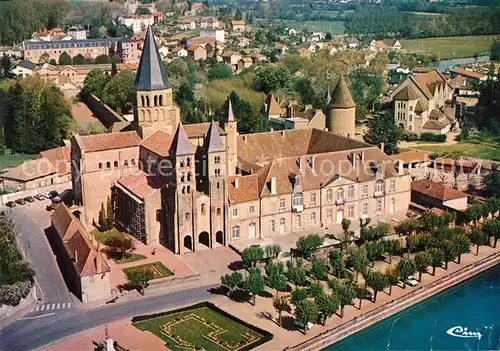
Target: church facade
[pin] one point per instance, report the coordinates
(202, 185)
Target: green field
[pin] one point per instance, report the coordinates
(9, 160)
(470, 149)
(451, 47)
(201, 328)
(103, 236)
(129, 257)
(333, 27)
(159, 269)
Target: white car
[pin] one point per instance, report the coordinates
(411, 281)
(301, 326)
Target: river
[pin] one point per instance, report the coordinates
(445, 64)
(435, 323)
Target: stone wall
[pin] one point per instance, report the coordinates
(103, 112)
(7, 311)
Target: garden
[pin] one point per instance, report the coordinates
(318, 282)
(202, 327)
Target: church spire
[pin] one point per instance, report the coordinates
(214, 141)
(151, 74)
(181, 145)
(229, 112)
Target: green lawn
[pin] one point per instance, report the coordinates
(201, 328)
(158, 268)
(470, 149)
(9, 160)
(103, 236)
(451, 47)
(333, 27)
(129, 257)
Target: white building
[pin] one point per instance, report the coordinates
(77, 32)
(213, 32)
(137, 22)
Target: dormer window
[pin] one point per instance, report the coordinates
(298, 200)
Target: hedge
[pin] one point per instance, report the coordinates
(13, 294)
(440, 138)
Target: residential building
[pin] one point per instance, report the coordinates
(423, 104)
(24, 68)
(77, 32)
(469, 76)
(208, 22)
(197, 53)
(231, 59)
(83, 267)
(54, 34)
(203, 185)
(179, 52)
(14, 52)
(238, 26)
(138, 23)
(431, 194)
(195, 8)
(385, 45)
(280, 49)
(213, 32)
(351, 43)
(245, 62)
(187, 23)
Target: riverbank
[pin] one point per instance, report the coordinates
(386, 310)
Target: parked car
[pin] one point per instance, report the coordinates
(369, 295)
(300, 325)
(10, 204)
(411, 281)
(20, 201)
(46, 195)
(53, 194)
(29, 199)
(40, 197)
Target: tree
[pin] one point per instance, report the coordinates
(102, 59)
(377, 281)
(238, 16)
(305, 88)
(358, 260)
(406, 268)
(449, 251)
(118, 247)
(461, 245)
(296, 275)
(78, 59)
(373, 251)
(306, 312)
(392, 247)
(251, 255)
(347, 236)
(474, 214)
(5, 65)
(94, 83)
(277, 282)
(492, 229)
(495, 51)
(308, 245)
(382, 129)
(243, 113)
(141, 10)
(254, 284)
(337, 262)
(392, 275)
(119, 93)
(281, 305)
(64, 59)
(437, 258)
(319, 269)
(327, 306)
(345, 294)
(316, 289)
(478, 238)
(272, 251)
(270, 79)
(102, 218)
(274, 268)
(114, 69)
(219, 71)
(422, 261)
(140, 278)
(232, 281)
(299, 294)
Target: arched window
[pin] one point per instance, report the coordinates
(100, 165)
(156, 100)
(392, 206)
(298, 221)
(313, 218)
(125, 163)
(340, 194)
(115, 164)
(189, 177)
(202, 208)
(379, 186)
(271, 226)
(161, 100)
(282, 225)
(132, 162)
(297, 199)
(379, 206)
(350, 192)
(183, 177)
(236, 231)
(147, 101)
(187, 216)
(188, 189)
(142, 100)
(329, 195)
(108, 164)
(188, 161)
(183, 189)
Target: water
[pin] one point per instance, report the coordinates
(474, 304)
(445, 64)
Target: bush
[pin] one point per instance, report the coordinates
(410, 137)
(440, 138)
(13, 294)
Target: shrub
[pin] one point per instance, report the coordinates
(440, 138)
(13, 294)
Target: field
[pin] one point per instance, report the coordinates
(333, 27)
(9, 160)
(451, 47)
(200, 329)
(470, 149)
(158, 268)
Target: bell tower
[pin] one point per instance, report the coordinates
(155, 109)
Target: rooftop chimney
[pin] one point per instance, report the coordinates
(236, 183)
(273, 185)
(400, 167)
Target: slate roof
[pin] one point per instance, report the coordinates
(151, 74)
(433, 125)
(341, 97)
(436, 190)
(407, 93)
(181, 145)
(229, 112)
(84, 256)
(213, 139)
(27, 64)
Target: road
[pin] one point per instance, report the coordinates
(59, 314)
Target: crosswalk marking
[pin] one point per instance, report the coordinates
(52, 306)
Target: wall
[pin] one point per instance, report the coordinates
(7, 311)
(102, 111)
(96, 287)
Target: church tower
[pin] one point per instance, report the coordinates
(341, 111)
(231, 129)
(155, 109)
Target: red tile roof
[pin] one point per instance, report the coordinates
(436, 190)
(247, 190)
(159, 142)
(142, 184)
(109, 141)
(31, 170)
(60, 157)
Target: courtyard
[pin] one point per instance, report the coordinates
(202, 326)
